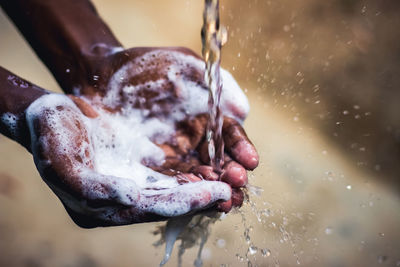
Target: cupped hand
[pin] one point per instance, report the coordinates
(129, 145)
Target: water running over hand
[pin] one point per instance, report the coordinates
(213, 37)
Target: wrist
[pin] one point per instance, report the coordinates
(16, 95)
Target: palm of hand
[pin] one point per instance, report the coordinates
(131, 151)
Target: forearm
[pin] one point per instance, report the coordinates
(16, 95)
(68, 36)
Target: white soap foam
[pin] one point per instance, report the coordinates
(121, 143)
(232, 94)
(185, 198)
(117, 144)
(56, 111)
(175, 67)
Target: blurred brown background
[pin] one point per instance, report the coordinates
(322, 79)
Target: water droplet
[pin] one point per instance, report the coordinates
(240, 258)
(328, 230)
(265, 252)
(267, 212)
(255, 190)
(252, 250)
(247, 235)
(345, 112)
(95, 77)
(381, 234)
(286, 28)
(206, 254)
(223, 35)
(67, 70)
(363, 9)
(348, 187)
(221, 243)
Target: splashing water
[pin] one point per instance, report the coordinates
(213, 37)
(195, 230)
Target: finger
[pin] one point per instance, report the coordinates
(234, 174)
(184, 198)
(237, 197)
(205, 172)
(236, 201)
(194, 128)
(84, 107)
(187, 177)
(178, 164)
(203, 152)
(225, 206)
(238, 144)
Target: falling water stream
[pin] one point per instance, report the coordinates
(213, 36)
(195, 229)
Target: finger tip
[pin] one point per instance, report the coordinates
(237, 197)
(225, 206)
(252, 162)
(235, 175)
(245, 153)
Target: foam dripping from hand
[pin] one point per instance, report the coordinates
(174, 227)
(190, 230)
